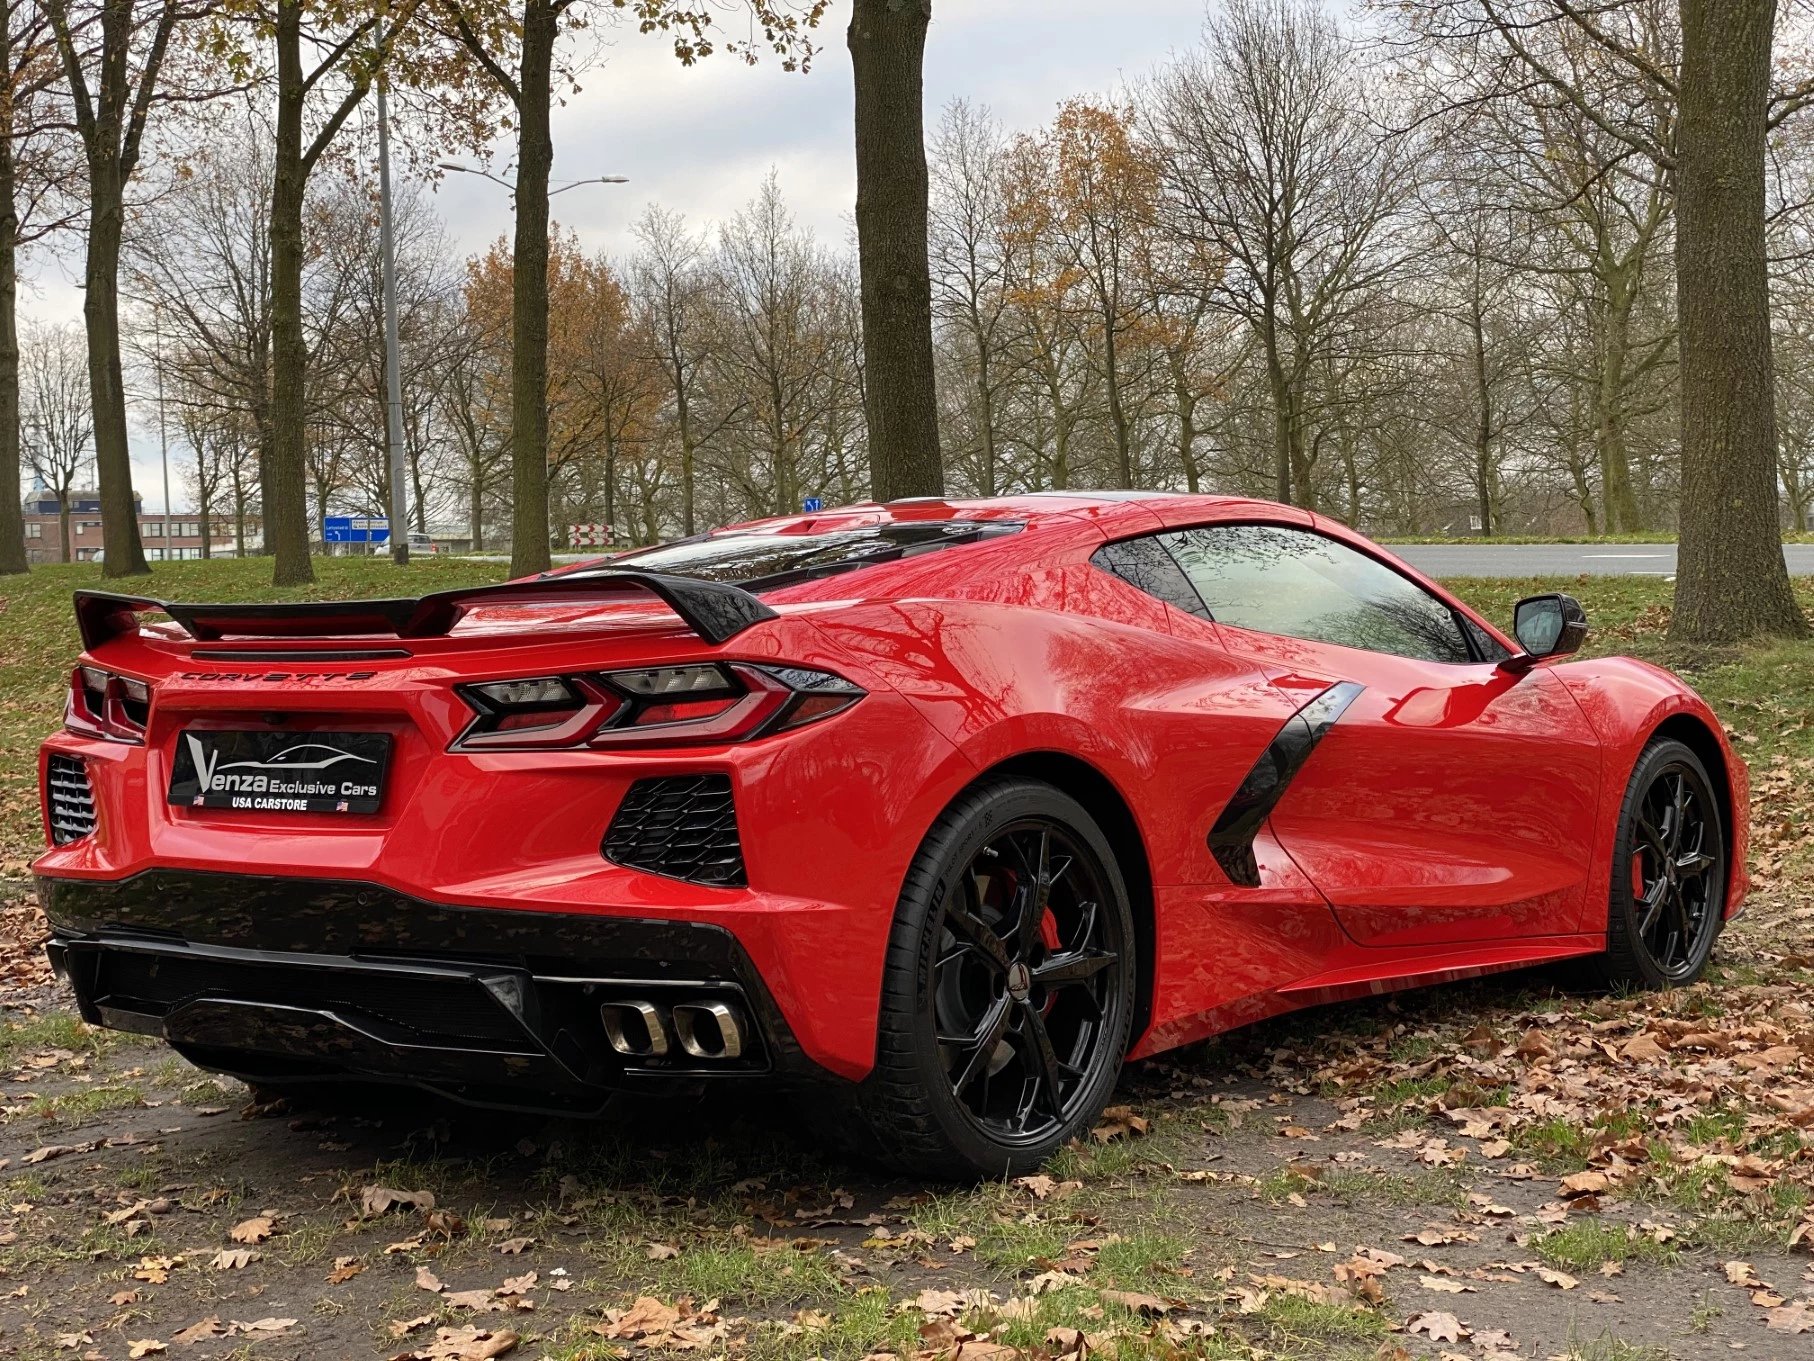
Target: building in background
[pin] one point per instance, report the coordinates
(44, 531)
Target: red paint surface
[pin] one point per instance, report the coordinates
(1456, 820)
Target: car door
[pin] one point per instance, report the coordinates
(1446, 799)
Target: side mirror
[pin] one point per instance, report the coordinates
(1547, 626)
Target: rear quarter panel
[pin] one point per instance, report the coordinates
(1626, 701)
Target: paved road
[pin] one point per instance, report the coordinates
(1564, 559)
(1505, 559)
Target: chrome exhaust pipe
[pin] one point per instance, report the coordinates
(634, 1029)
(708, 1030)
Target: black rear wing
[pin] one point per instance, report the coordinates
(713, 610)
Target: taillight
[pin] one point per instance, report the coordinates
(102, 704)
(656, 706)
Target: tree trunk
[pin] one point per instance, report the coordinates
(12, 519)
(1483, 428)
(125, 554)
(1281, 417)
(285, 475)
(887, 40)
(1622, 514)
(1124, 457)
(63, 524)
(1731, 582)
(529, 295)
(986, 395)
(686, 468)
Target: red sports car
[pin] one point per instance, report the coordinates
(941, 808)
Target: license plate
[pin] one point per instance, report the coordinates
(281, 772)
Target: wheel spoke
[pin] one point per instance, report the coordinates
(1652, 901)
(1678, 807)
(980, 1044)
(1655, 838)
(1044, 1062)
(1693, 865)
(969, 926)
(1074, 966)
(1034, 897)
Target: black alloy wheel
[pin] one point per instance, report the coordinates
(1024, 980)
(1009, 988)
(1669, 872)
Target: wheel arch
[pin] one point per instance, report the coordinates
(1104, 802)
(1692, 732)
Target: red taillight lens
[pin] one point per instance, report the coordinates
(102, 704)
(657, 706)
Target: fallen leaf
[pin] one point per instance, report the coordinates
(427, 1280)
(1437, 1327)
(231, 1259)
(1148, 1306)
(264, 1327)
(377, 1200)
(1792, 1318)
(254, 1230)
(148, 1346)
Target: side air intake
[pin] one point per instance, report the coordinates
(68, 799)
(681, 826)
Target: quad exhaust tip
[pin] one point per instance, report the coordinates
(634, 1029)
(703, 1030)
(708, 1030)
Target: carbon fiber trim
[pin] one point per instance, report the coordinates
(1231, 839)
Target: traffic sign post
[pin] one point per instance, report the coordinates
(366, 529)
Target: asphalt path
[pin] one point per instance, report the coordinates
(1563, 559)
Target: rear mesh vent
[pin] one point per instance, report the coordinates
(68, 798)
(683, 826)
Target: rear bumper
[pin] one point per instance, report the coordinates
(281, 979)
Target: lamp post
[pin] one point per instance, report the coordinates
(510, 188)
(163, 432)
(393, 376)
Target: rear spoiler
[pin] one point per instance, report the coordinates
(713, 610)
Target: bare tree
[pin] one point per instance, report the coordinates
(1273, 159)
(58, 416)
(114, 54)
(672, 280)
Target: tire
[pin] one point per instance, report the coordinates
(1668, 893)
(978, 970)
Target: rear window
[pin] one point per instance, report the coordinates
(769, 561)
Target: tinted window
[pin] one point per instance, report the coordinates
(1145, 564)
(1291, 582)
(772, 560)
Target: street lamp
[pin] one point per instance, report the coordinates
(459, 169)
(570, 184)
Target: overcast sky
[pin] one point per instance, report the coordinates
(700, 140)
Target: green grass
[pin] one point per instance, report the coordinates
(1588, 1243)
(56, 1030)
(72, 1108)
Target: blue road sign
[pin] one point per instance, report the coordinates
(812, 504)
(355, 529)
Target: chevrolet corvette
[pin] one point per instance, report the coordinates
(930, 814)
